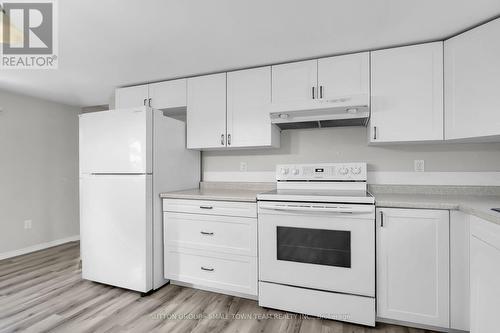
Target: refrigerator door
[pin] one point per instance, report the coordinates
(116, 141)
(116, 230)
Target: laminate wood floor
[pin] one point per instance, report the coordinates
(43, 292)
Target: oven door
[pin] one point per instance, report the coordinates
(319, 246)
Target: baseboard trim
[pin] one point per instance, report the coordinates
(375, 177)
(419, 326)
(38, 247)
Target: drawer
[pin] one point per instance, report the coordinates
(336, 306)
(228, 234)
(227, 208)
(221, 271)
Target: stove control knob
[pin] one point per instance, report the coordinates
(343, 171)
(355, 170)
(295, 172)
(284, 171)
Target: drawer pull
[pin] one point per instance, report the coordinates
(206, 207)
(206, 233)
(207, 269)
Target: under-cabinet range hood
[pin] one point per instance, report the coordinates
(343, 111)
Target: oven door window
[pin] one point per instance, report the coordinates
(314, 246)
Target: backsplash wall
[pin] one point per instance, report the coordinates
(349, 144)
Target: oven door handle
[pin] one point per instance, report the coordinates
(340, 210)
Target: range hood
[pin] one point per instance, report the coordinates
(343, 111)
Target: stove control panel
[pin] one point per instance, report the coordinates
(321, 171)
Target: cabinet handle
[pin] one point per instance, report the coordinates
(207, 269)
(374, 132)
(229, 139)
(206, 233)
(222, 139)
(144, 103)
(320, 91)
(149, 101)
(382, 219)
(206, 207)
(313, 92)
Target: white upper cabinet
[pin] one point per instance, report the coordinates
(294, 82)
(248, 100)
(413, 266)
(206, 111)
(168, 94)
(325, 78)
(344, 76)
(245, 123)
(161, 95)
(472, 81)
(131, 97)
(407, 93)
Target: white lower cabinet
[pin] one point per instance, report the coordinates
(211, 245)
(484, 276)
(459, 271)
(413, 284)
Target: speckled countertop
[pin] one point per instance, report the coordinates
(222, 191)
(477, 205)
(476, 201)
(214, 194)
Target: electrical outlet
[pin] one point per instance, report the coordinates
(419, 165)
(27, 224)
(243, 166)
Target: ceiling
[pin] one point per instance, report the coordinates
(104, 44)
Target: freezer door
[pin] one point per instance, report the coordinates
(116, 230)
(116, 141)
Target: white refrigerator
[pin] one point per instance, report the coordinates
(127, 157)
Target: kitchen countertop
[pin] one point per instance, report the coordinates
(222, 194)
(474, 204)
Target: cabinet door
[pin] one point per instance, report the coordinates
(168, 94)
(472, 78)
(484, 273)
(407, 93)
(459, 271)
(294, 82)
(413, 266)
(248, 100)
(206, 111)
(131, 97)
(344, 75)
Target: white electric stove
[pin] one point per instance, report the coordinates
(317, 242)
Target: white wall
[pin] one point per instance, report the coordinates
(38, 171)
(345, 144)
